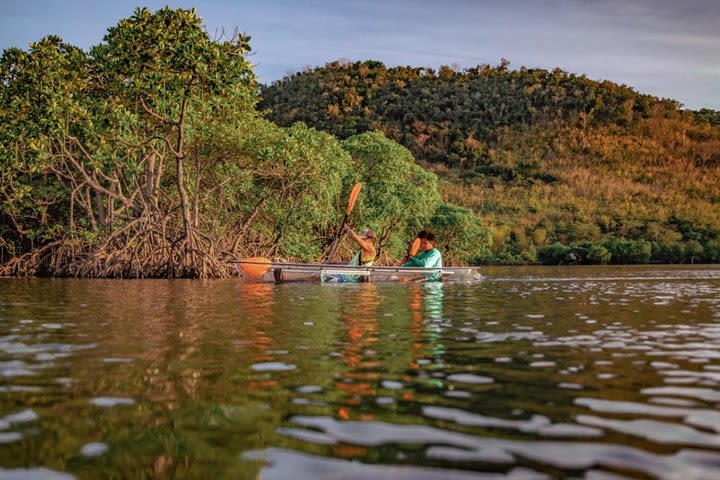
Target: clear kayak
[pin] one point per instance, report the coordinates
(262, 270)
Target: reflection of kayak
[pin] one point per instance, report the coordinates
(264, 271)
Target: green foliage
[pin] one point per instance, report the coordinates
(711, 252)
(398, 197)
(76, 121)
(164, 59)
(459, 233)
(597, 254)
(629, 251)
(284, 187)
(154, 134)
(555, 254)
(668, 252)
(693, 252)
(39, 92)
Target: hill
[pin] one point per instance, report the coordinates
(564, 169)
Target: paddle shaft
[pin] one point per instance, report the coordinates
(336, 243)
(351, 204)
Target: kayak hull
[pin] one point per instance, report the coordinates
(320, 273)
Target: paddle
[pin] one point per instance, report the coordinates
(414, 248)
(412, 251)
(351, 203)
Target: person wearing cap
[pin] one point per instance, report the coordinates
(364, 257)
(366, 241)
(429, 257)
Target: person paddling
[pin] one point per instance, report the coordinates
(429, 256)
(366, 241)
(364, 257)
(415, 246)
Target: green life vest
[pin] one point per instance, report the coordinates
(356, 260)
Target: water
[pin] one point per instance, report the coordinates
(587, 373)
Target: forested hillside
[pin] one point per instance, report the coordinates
(564, 169)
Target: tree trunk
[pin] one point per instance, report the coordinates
(185, 209)
(91, 217)
(100, 207)
(188, 263)
(150, 181)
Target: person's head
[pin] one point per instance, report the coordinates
(369, 234)
(423, 234)
(427, 241)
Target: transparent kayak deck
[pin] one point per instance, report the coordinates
(318, 272)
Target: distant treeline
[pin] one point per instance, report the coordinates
(562, 168)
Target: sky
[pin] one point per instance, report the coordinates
(666, 48)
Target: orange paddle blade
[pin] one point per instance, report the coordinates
(255, 268)
(414, 247)
(353, 196)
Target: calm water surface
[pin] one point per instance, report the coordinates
(588, 373)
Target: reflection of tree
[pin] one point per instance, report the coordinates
(416, 311)
(255, 311)
(433, 309)
(426, 307)
(433, 299)
(191, 339)
(190, 346)
(156, 324)
(361, 321)
(256, 300)
(371, 357)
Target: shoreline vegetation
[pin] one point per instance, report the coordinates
(156, 154)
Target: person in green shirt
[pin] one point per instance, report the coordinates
(429, 256)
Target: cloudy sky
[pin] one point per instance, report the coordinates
(668, 48)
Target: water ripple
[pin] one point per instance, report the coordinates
(562, 455)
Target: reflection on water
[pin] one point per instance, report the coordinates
(593, 373)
